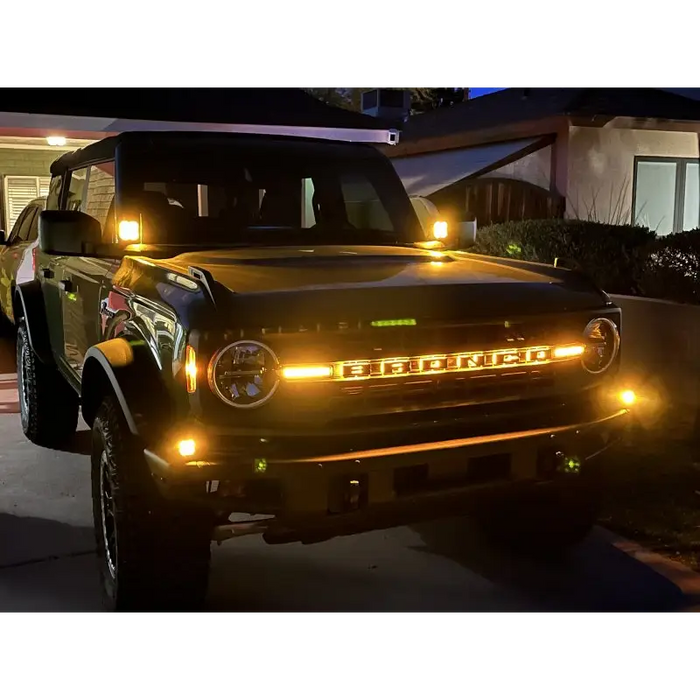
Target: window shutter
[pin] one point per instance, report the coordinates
(19, 191)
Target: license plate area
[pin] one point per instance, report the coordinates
(420, 478)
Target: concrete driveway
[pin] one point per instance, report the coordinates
(47, 561)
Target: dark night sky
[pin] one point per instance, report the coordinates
(478, 92)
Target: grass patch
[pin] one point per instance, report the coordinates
(653, 488)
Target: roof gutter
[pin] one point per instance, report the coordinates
(60, 124)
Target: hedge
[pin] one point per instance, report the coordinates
(621, 259)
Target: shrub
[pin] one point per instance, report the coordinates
(614, 256)
(672, 269)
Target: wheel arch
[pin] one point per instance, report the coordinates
(124, 367)
(28, 304)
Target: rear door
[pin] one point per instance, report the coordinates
(25, 271)
(12, 254)
(82, 280)
(48, 269)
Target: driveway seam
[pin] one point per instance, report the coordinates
(41, 560)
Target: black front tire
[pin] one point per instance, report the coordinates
(153, 554)
(48, 405)
(544, 521)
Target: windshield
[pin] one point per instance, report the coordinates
(268, 197)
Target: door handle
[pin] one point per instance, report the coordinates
(66, 285)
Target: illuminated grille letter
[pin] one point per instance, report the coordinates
(395, 367)
(356, 369)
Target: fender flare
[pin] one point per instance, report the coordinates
(125, 367)
(28, 302)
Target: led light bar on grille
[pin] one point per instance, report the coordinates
(436, 364)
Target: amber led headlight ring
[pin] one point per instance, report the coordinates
(244, 374)
(602, 345)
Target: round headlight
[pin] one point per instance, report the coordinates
(244, 374)
(602, 344)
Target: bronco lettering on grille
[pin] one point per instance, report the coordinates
(454, 362)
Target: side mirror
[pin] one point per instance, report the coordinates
(3, 237)
(68, 233)
(467, 234)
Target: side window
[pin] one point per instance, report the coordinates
(14, 234)
(34, 226)
(53, 200)
(76, 189)
(99, 192)
(363, 206)
(27, 223)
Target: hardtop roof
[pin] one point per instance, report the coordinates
(105, 149)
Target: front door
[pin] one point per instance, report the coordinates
(82, 282)
(83, 279)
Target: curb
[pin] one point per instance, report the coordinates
(685, 579)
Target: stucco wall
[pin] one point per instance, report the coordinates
(661, 349)
(601, 167)
(535, 168)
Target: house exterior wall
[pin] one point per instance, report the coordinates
(535, 168)
(601, 168)
(17, 161)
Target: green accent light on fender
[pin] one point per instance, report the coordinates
(394, 322)
(71, 296)
(259, 465)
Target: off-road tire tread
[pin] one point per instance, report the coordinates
(164, 548)
(53, 405)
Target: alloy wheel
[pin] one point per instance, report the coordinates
(23, 383)
(109, 530)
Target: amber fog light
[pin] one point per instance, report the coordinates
(602, 345)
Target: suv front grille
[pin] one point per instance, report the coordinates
(383, 400)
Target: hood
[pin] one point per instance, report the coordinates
(369, 280)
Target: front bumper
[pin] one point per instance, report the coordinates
(318, 495)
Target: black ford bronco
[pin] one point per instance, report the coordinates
(257, 325)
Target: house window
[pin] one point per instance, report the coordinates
(19, 191)
(666, 195)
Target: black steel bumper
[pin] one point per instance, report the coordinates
(318, 495)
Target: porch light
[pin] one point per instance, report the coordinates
(56, 140)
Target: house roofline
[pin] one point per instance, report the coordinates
(478, 137)
(602, 121)
(534, 128)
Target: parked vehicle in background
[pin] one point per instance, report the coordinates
(17, 253)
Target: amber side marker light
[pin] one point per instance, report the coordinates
(190, 369)
(307, 372)
(440, 230)
(129, 231)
